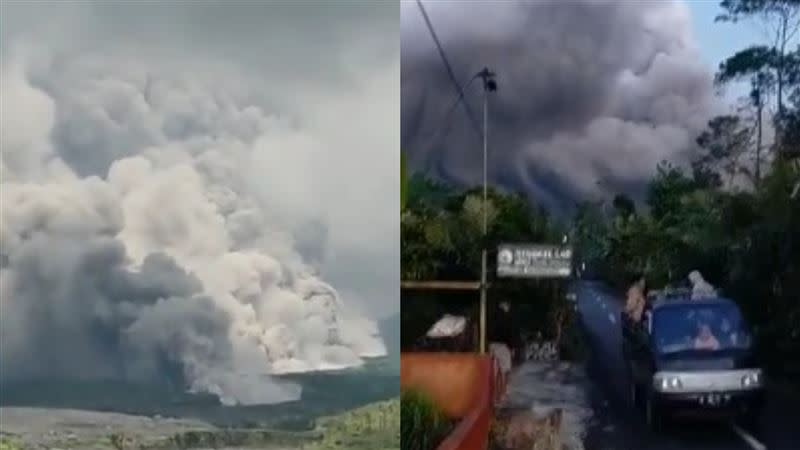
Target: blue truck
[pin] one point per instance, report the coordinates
(692, 357)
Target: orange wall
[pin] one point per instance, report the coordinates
(461, 384)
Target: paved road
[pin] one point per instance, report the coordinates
(618, 426)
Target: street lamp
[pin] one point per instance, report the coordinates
(489, 85)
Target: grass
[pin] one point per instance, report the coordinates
(423, 425)
(372, 427)
(7, 443)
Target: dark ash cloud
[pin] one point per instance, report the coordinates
(588, 91)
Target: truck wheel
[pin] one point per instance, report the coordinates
(633, 389)
(653, 415)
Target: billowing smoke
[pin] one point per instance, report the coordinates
(589, 91)
(156, 221)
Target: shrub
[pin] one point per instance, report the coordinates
(422, 424)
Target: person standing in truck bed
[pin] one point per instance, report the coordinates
(636, 299)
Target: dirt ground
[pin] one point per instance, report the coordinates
(544, 387)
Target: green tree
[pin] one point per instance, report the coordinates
(624, 206)
(782, 17)
(791, 134)
(722, 147)
(442, 238)
(590, 233)
(665, 191)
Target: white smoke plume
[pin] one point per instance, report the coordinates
(589, 91)
(163, 219)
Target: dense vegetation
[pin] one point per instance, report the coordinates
(442, 237)
(375, 426)
(422, 425)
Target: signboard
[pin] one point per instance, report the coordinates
(534, 261)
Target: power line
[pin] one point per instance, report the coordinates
(447, 122)
(449, 69)
(489, 85)
(459, 98)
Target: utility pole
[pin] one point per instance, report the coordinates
(489, 85)
(757, 98)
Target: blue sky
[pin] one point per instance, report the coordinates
(719, 40)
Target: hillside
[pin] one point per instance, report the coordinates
(372, 427)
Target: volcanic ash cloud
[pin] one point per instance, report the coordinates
(141, 240)
(589, 91)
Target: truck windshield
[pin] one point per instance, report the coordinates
(702, 327)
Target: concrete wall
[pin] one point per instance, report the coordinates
(462, 385)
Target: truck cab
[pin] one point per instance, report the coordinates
(690, 357)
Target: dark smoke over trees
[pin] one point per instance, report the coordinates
(589, 91)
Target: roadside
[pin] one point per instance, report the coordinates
(543, 387)
(785, 389)
(780, 426)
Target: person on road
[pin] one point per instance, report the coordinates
(505, 329)
(636, 299)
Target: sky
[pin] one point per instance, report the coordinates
(207, 186)
(720, 40)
